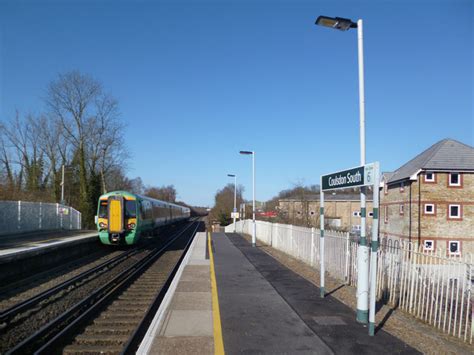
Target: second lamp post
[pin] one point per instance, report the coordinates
(254, 226)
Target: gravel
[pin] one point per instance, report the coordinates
(412, 331)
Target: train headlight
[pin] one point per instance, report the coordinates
(102, 225)
(131, 226)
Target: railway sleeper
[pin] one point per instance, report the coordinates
(112, 321)
(116, 329)
(102, 339)
(92, 350)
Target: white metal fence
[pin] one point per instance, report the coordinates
(431, 286)
(22, 216)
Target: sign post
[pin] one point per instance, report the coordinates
(361, 176)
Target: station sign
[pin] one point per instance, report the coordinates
(235, 214)
(359, 176)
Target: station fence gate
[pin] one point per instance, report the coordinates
(431, 286)
(23, 216)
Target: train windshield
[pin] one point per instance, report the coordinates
(130, 209)
(103, 209)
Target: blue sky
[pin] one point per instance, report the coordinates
(197, 81)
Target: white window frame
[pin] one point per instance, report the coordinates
(433, 178)
(371, 214)
(385, 214)
(459, 216)
(449, 247)
(429, 204)
(356, 214)
(425, 248)
(459, 179)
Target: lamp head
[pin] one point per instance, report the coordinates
(338, 23)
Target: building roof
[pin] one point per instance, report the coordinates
(446, 155)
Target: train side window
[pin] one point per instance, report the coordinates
(142, 210)
(103, 209)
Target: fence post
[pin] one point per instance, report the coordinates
(19, 215)
(348, 253)
(40, 214)
(312, 246)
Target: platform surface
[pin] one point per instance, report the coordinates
(267, 308)
(12, 245)
(184, 324)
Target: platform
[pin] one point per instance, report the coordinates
(12, 246)
(19, 254)
(264, 308)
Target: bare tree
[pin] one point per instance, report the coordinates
(89, 121)
(224, 203)
(164, 193)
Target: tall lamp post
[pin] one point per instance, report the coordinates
(343, 24)
(254, 229)
(235, 196)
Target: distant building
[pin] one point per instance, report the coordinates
(430, 199)
(341, 210)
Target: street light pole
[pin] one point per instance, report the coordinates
(344, 24)
(62, 185)
(235, 196)
(363, 248)
(254, 229)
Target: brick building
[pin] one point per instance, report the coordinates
(430, 199)
(341, 210)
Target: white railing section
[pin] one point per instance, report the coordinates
(23, 216)
(431, 286)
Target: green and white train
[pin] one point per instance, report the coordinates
(122, 217)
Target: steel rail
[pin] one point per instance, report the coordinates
(18, 308)
(87, 305)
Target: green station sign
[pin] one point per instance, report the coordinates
(359, 176)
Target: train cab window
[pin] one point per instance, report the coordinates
(103, 209)
(130, 209)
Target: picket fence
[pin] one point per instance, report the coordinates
(431, 286)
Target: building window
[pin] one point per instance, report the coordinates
(312, 213)
(454, 247)
(356, 213)
(401, 209)
(371, 214)
(430, 208)
(430, 177)
(299, 212)
(454, 211)
(385, 188)
(402, 186)
(385, 214)
(454, 180)
(428, 245)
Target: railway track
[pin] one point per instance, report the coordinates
(124, 286)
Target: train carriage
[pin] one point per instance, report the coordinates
(122, 216)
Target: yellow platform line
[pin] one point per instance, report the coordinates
(218, 341)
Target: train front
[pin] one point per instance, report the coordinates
(117, 220)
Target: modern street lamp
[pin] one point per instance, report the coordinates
(235, 196)
(344, 24)
(254, 229)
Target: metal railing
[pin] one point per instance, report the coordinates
(431, 286)
(23, 216)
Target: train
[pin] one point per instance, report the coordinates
(122, 217)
